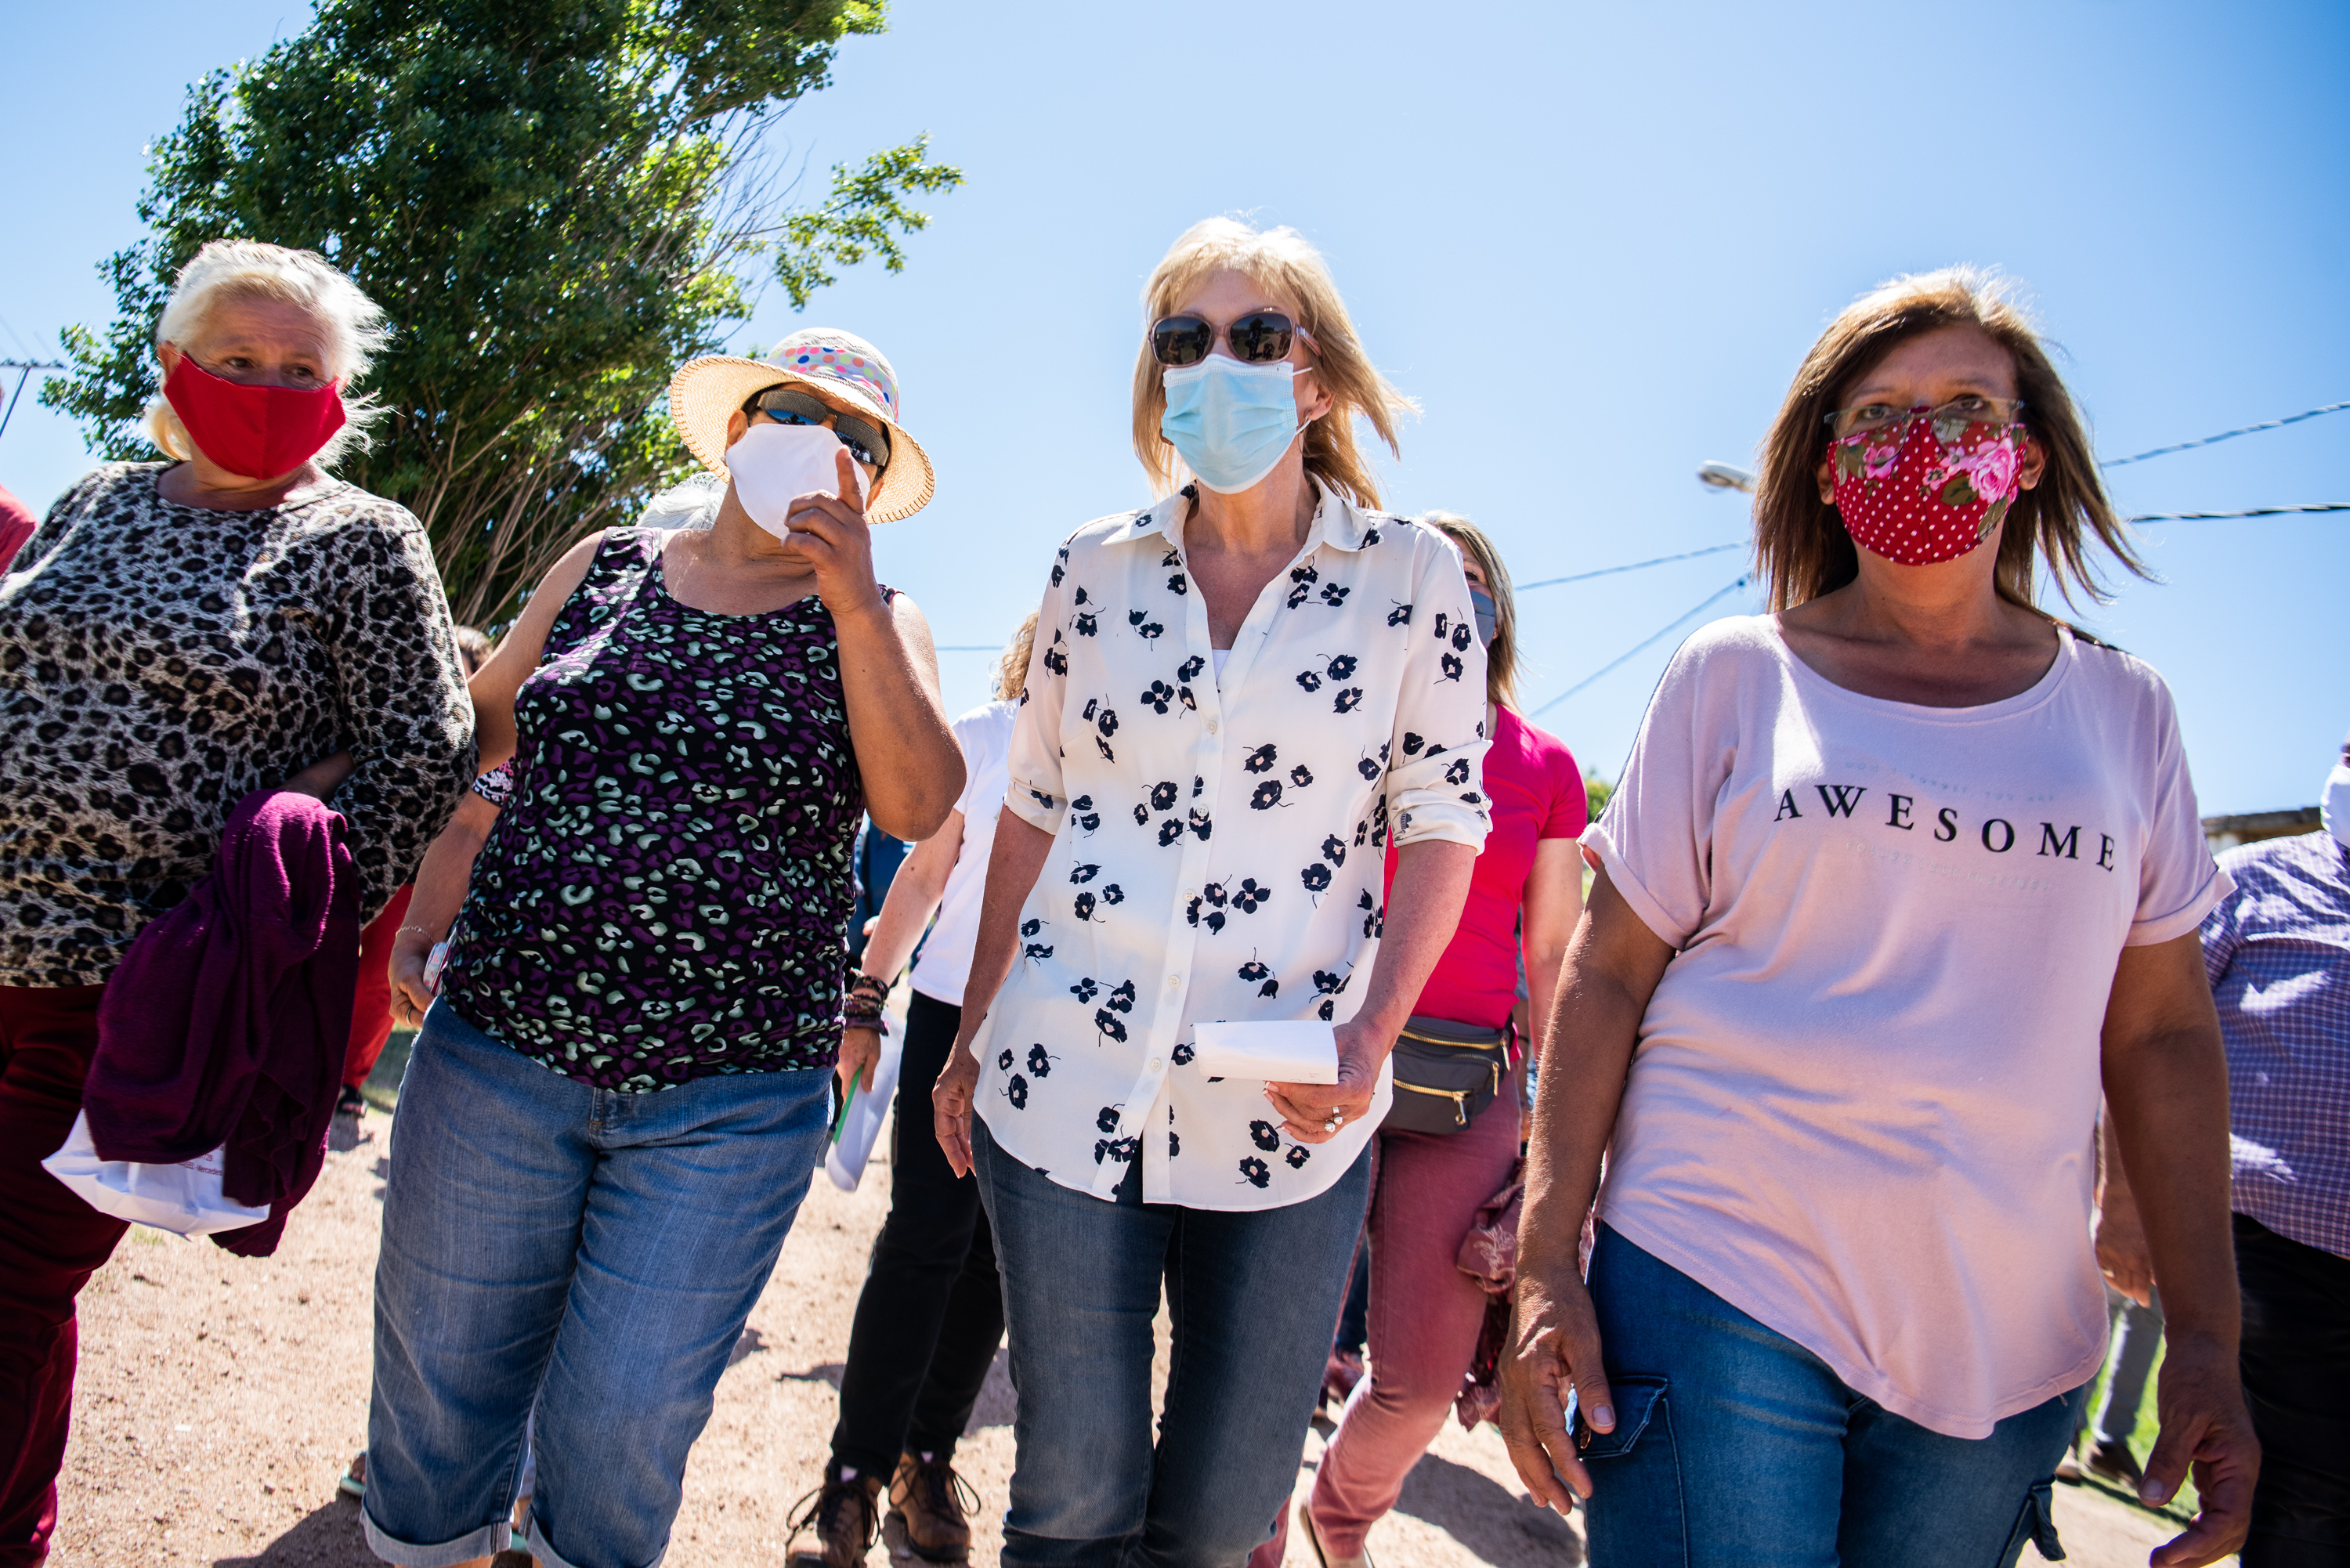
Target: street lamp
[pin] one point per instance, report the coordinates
(1725, 476)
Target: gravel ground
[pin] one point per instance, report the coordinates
(220, 1398)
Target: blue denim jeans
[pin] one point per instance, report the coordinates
(1734, 1445)
(1254, 1297)
(589, 1252)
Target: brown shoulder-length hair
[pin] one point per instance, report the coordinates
(1281, 262)
(1800, 548)
(1501, 654)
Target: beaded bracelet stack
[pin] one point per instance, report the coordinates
(861, 1009)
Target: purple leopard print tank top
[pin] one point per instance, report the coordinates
(666, 894)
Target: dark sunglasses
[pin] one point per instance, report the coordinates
(1257, 338)
(867, 442)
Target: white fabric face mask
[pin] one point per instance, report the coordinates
(2334, 806)
(774, 466)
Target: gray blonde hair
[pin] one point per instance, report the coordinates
(249, 269)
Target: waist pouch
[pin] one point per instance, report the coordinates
(1445, 1073)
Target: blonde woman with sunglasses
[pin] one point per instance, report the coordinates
(1241, 694)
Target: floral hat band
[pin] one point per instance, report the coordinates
(858, 366)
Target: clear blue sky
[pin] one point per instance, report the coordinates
(1593, 239)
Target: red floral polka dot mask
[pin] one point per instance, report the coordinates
(1924, 489)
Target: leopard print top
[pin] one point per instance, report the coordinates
(159, 662)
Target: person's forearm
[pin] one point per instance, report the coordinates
(906, 911)
(447, 873)
(911, 767)
(1424, 910)
(1612, 968)
(2167, 1107)
(1586, 1052)
(1014, 864)
(1541, 991)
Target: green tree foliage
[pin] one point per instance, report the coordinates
(1595, 791)
(555, 200)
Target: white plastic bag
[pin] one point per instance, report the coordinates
(860, 1123)
(185, 1199)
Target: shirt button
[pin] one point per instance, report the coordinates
(1174, 982)
(1211, 726)
(1157, 1062)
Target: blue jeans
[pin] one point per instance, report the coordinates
(1735, 1446)
(1254, 1297)
(589, 1252)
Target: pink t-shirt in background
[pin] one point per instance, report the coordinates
(1860, 1107)
(1536, 792)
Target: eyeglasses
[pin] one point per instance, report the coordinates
(1260, 338)
(867, 442)
(1948, 421)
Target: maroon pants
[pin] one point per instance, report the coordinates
(372, 1001)
(50, 1243)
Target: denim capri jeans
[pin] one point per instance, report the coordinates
(584, 1253)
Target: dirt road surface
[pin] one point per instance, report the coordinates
(220, 1398)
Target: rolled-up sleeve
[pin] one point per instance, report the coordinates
(1033, 793)
(401, 692)
(1655, 837)
(1435, 779)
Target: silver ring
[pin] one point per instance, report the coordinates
(1337, 1120)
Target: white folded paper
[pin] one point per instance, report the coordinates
(1292, 1051)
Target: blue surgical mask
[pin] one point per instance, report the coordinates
(1231, 422)
(1482, 604)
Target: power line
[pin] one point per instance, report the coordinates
(1611, 665)
(1636, 565)
(2227, 435)
(2255, 512)
(24, 369)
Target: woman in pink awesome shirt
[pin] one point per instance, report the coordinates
(1896, 879)
(1452, 1139)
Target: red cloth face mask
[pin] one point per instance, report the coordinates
(257, 431)
(1922, 491)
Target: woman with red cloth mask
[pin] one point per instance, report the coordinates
(1897, 878)
(175, 637)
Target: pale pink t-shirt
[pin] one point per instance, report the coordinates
(1861, 1104)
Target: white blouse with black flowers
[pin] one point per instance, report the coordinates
(1217, 852)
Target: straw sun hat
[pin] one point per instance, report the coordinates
(839, 366)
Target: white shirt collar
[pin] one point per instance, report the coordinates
(1338, 522)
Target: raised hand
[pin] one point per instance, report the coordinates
(828, 534)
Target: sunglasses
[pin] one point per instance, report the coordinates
(867, 442)
(1260, 338)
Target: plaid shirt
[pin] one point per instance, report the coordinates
(2277, 953)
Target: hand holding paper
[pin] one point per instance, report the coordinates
(1293, 1051)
